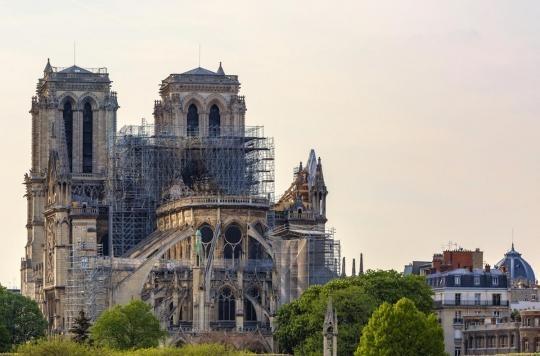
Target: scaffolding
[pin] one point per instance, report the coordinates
(87, 282)
(149, 169)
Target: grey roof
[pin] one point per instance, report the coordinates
(516, 266)
(200, 71)
(75, 69)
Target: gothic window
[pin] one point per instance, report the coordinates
(68, 130)
(207, 234)
(214, 121)
(232, 244)
(256, 250)
(87, 138)
(249, 312)
(226, 305)
(192, 121)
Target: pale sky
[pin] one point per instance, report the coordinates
(426, 113)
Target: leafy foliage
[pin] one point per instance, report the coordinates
(401, 330)
(130, 326)
(21, 318)
(5, 340)
(59, 347)
(65, 347)
(80, 328)
(299, 324)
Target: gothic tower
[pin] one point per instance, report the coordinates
(200, 103)
(73, 124)
(330, 331)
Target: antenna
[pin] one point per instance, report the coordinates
(74, 53)
(199, 55)
(512, 238)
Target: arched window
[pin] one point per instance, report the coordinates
(249, 312)
(68, 130)
(193, 121)
(207, 234)
(214, 121)
(87, 138)
(226, 305)
(232, 244)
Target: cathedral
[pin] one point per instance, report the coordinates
(180, 213)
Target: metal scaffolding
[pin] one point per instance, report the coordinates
(149, 169)
(87, 281)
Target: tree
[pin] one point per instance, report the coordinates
(21, 318)
(80, 328)
(299, 323)
(5, 340)
(129, 326)
(401, 330)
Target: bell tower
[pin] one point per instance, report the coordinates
(200, 103)
(73, 125)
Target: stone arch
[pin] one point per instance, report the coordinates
(131, 286)
(196, 99)
(65, 97)
(227, 299)
(218, 100)
(253, 233)
(88, 98)
(232, 242)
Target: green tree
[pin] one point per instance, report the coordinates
(21, 318)
(130, 326)
(80, 328)
(401, 330)
(5, 340)
(299, 323)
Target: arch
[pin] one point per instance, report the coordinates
(226, 304)
(131, 286)
(196, 99)
(67, 96)
(216, 99)
(232, 241)
(193, 120)
(214, 121)
(250, 314)
(67, 116)
(207, 235)
(88, 98)
(87, 134)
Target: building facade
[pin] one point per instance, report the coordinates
(179, 213)
(521, 334)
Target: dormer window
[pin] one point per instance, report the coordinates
(495, 281)
(476, 280)
(457, 280)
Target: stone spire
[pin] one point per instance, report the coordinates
(330, 331)
(343, 274)
(220, 70)
(48, 67)
(361, 269)
(353, 267)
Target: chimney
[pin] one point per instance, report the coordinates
(361, 271)
(488, 268)
(354, 267)
(343, 274)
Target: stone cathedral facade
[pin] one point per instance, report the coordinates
(179, 213)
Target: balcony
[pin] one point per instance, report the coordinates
(469, 303)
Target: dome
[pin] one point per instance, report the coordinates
(517, 268)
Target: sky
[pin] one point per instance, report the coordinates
(425, 113)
